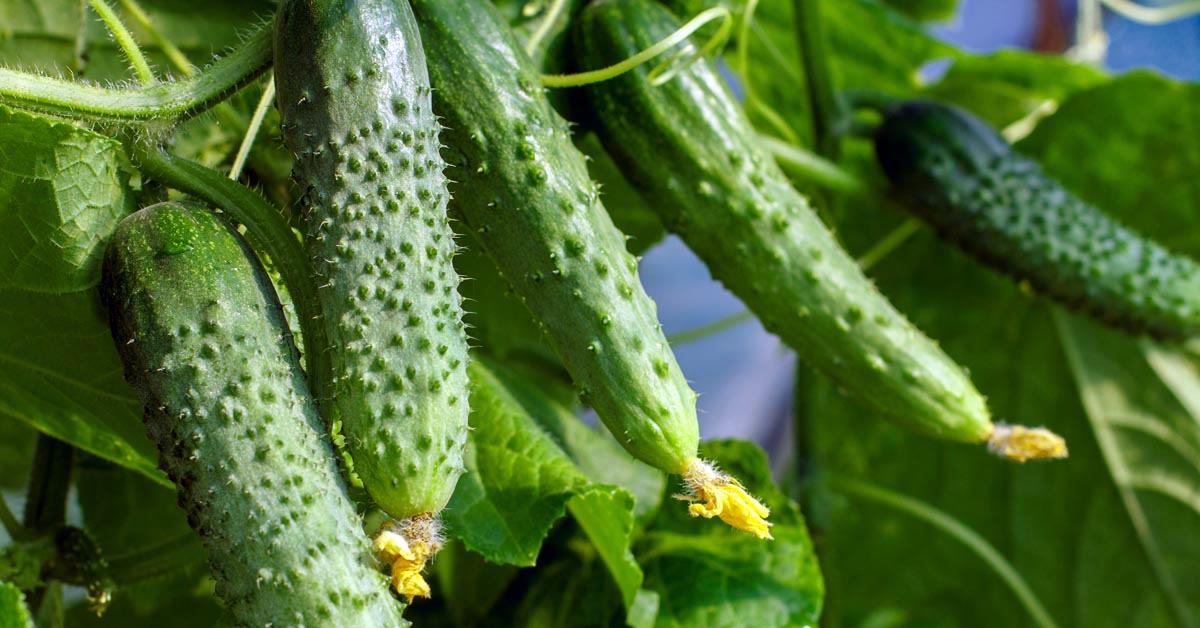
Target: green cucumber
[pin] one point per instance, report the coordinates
(688, 147)
(354, 100)
(523, 190)
(960, 176)
(204, 342)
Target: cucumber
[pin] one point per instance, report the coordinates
(354, 101)
(524, 192)
(688, 147)
(961, 177)
(204, 342)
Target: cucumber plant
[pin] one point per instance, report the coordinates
(524, 192)
(204, 342)
(354, 102)
(960, 176)
(691, 151)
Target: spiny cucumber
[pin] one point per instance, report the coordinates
(524, 192)
(204, 342)
(959, 175)
(354, 99)
(690, 150)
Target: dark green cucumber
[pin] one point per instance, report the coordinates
(355, 106)
(960, 176)
(524, 191)
(690, 150)
(204, 341)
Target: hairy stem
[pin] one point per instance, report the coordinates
(174, 54)
(125, 41)
(267, 231)
(46, 500)
(159, 102)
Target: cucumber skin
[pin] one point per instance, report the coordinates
(204, 342)
(960, 176)
(688, 147)
(524, 191)
(353, 95)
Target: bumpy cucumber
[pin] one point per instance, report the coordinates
(204, 341)
(524, 192)
(355, 106)
(960, 176)
(691, 151)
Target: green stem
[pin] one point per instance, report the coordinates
(664, 71)
(125, 41)
(256, 121)
(174, 54)
(161, 559)
(267, 231)
(46, 500)
(1154, 15)
(715, 327)
(543, 29)
(814, 56)
(954, 528)
(807, 166)
(889, 243)
(12, 525)
(159, 102)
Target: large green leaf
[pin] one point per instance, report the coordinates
(519, 482)
(61, 194)
(707, 574)
(13, 613)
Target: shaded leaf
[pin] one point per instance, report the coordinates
(13, 613)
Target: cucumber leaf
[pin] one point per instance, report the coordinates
(519, 482)
(62, 193)
(13, 613)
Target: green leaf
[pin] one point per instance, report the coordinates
(17, 442)
(707, 574)
(1005, 86)
(61, 194)
(925, 10)
(13, 613)
(519, 482)
(470, 585)
(1142, 128)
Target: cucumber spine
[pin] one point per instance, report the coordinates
(204, 342)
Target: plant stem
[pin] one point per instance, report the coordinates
(157, 560)
(954, 528)
(12, 525)
(267, 231)
(125, 41)
(814, 56)
(889, 243)
(159, 102)
(661, 72)
(46, 500)
(704, 331)
(256, 121)
(552, 15)
(807, 166)
(174, 54)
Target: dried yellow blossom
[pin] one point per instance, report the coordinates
(1020, 444)
(407, 547)
(714, 494)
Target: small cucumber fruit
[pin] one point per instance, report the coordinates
(354, 100)
(204, 342)
(524, 191)
(959, 175)
(688, 147)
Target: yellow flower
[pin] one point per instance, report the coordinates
(714, 494)
(1020, 444)
(407, 549)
